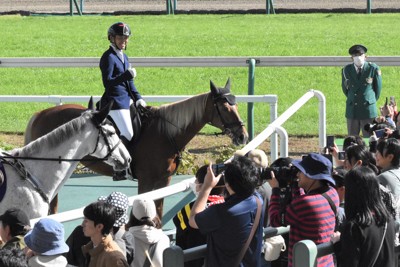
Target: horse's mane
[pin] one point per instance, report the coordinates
(176, 117)
(57, 136)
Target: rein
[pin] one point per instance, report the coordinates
(60, 159)
(20, 168)
(227, 126)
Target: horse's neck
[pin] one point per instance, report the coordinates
(195, 115)
(51, 175)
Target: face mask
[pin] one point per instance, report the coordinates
(193, 188)
(359, 60)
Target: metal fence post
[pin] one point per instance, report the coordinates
(250, 105)
(82, 5)
(369, 6)
(304, 254)
(270, 7)
(173, 257)
(170, 10)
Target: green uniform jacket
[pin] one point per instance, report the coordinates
(362, 93)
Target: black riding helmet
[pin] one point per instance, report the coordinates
(119, 28)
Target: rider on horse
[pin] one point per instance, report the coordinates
(117, 75)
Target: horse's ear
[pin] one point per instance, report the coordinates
(213, 88)
(228, 84)
(90, 104)
(100, 116)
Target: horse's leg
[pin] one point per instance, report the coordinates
(53, 208)
(160, 202)
(147, 185)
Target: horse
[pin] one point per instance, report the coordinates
(34, 174)
(163, 136)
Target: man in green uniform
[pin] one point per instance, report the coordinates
(362, 85)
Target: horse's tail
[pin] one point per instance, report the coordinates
(28, 130)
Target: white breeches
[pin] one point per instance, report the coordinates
(122, 117)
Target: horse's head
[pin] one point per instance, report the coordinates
(109, 145)
(226, 115)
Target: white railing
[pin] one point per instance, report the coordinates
(287, 114)
(267, 61)
(156, 194)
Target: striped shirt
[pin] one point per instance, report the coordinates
(310, 217)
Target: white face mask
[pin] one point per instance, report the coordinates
(193, 188)
(359, 60)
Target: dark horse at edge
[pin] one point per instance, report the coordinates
(156, 155)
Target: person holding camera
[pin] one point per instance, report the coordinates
(234, 229)
(311, 213)
(186, 236)
(362, 85)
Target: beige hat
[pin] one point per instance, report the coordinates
(258, 157)
(143, 208)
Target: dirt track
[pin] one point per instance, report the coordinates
(195, 6)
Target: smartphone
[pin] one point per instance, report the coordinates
(218, 168)
(380, 133)
(341, 155)
(330, 141)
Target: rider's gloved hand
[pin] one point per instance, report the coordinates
(132, 71)
(141, 102)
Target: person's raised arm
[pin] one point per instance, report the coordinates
(200, 204)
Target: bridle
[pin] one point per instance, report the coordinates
(101, 133)
(228, 126)
(109, 147)
(20, 168)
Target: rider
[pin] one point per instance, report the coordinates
(118, 75)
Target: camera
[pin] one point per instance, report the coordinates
(380, 133)
(341, 155)
(284, 174)
(218, 168)
(371, 127)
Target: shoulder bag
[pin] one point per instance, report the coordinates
(253, 230)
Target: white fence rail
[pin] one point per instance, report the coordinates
(267, 61)
(156, 194)
(287, 114)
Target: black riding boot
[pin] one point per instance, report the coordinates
(125, 174)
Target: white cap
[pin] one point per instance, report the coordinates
(143, 208)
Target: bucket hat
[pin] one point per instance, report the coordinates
(47, 238)
(315, 166)
(143, 208)
(121, 204)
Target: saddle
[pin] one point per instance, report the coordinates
(139, 118)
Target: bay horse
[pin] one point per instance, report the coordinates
(34, 174)
(163, 137)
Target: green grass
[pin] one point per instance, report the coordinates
(199, 35)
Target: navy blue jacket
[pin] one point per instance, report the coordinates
(117, 80)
